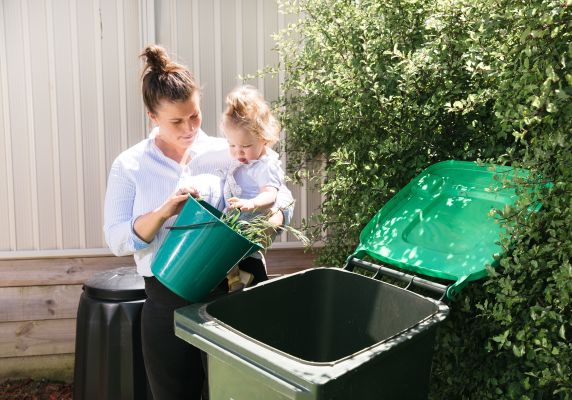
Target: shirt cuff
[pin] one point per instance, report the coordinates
(138, 243)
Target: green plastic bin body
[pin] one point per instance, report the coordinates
(323, 333)
(190, 262)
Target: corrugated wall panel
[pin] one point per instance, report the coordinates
(89, 20)
(66, 83)
(7, 236)
(45, 189)
(55, 142)
(218, 95)
(132, 46)
(182, 32)
(19, 108)
(270, 26)
(113, 86)
(230, 48)
(249, 39)
(135, 34)
(162, 24)
(70, 100)
(32, 114)
(207, 65)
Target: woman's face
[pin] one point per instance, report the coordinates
(242, 145)
(178, 122)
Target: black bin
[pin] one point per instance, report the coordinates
(108, 356)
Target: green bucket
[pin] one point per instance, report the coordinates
(198, 251)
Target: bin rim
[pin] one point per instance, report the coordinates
(256, 351)
(116, 285)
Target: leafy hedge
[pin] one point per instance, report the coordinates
(381, 89)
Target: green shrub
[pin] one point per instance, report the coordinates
(382, 89)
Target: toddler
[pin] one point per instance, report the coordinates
(252, 181)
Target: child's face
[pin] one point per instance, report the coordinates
(243, 146)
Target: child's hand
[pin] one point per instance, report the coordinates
(241, 204)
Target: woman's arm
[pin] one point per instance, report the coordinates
(126, 233)
(118, 213)
(147, 225)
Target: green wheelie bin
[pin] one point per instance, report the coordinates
(331, 333)
(323, 333)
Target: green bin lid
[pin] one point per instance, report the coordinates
(440, 224)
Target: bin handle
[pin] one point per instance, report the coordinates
(411, 280)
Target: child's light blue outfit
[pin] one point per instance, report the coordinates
(245, 180)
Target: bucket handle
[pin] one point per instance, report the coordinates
(191, 226)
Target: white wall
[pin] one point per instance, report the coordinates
(70, 101)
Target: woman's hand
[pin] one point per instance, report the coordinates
(175, 202)
(147, 225)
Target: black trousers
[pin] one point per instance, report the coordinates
(175, 368)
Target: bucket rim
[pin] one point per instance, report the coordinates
(211, 211)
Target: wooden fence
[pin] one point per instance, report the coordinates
(39, 299)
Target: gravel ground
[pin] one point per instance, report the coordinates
(29, 389)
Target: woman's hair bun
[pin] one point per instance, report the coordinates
(163, 78)
(156, 58)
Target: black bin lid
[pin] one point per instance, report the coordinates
(120, 284)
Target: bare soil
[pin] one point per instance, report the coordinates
(29, 389)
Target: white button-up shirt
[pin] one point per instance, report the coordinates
(142, 178)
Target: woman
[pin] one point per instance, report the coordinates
(144, 194)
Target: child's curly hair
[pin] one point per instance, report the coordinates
(247, 109)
